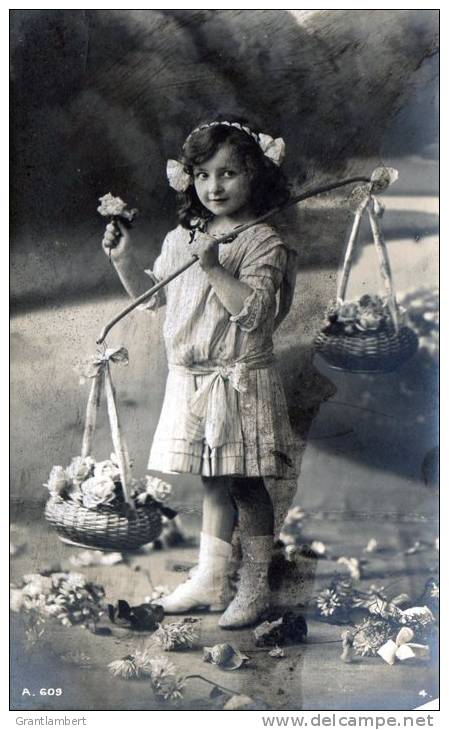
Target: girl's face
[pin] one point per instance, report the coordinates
(223, 185)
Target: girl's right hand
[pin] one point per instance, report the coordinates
(116, 240)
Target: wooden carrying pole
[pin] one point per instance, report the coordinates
(222, 239)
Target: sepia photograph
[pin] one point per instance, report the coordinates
(224, 360)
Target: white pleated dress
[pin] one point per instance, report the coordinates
(224, 410)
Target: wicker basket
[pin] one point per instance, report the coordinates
(104, 528)
(367, 351)
(364, 352)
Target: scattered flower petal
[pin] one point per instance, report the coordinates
(347, 641)
(243, 702)
(157, 592)
(417, 547)
(401, 600)
(413, 651)
(290, 551)
(277, 653)
(388, 652)
(94, 557)
(405, 636)
(372, 546)
(353, 565)
(318, 547)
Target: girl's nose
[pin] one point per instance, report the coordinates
(215, 185)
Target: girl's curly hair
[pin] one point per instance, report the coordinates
(269, 187)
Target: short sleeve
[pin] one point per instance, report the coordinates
(263, 269)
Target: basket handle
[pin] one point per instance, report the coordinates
(102, 379)
(93, 404)
(375, 211)
(120, 449)
(350, 249)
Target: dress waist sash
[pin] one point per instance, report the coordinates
(213, 411)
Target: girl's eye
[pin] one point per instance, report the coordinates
(230, 173)
(201, 175)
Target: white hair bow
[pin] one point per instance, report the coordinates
(178, 178)
(272, 148)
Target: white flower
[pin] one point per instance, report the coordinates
(72, 581)
(328, 602)
(157, 488)
(80, 468)
(164, 681)
(348, 312)
(423, 614)
(369, 321)
(110, 205)
(36, 585)
(97, 491)
(126, 668)
(107, 468)
(52, 609)
(57, 481)
(177, 635)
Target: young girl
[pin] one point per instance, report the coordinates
(224, 415)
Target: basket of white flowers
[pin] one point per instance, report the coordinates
(98, 503)
(368, 334)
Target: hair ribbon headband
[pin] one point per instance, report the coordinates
(178, 177)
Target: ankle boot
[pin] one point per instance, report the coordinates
(234, 563)
(208, 587)
(253, 594)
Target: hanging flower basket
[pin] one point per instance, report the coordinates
(98, 504)
(366, 335)
(360, 336)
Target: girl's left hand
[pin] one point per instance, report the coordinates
(206, 248)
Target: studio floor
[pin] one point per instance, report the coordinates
(310, 677)
(361, 478)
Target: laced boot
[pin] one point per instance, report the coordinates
(208, 586)
(253, 593)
